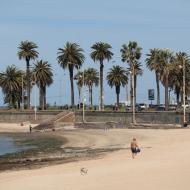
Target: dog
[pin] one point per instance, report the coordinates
(83, 171)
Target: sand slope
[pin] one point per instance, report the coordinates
(164, 166)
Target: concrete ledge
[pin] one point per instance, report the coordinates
(156, 126)
(115, 125)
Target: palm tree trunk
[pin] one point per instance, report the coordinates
(166, 93)
(181, 95)
(79, 91)
(18, 104)
(131, 90)
(135, 87)
(91, 97)
(158, 88)
(44, 96)
(101, 86)
(177, 96)
(117, 90)
(41, 97)
(28, 82)
(72, 86)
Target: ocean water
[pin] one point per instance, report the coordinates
(7, 145)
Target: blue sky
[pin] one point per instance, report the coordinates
(50, 24)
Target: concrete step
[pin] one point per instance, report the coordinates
(50, 124)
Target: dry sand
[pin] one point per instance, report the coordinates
(163, 164)
(15, 127)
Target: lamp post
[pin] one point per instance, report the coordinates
(35, 108)
(184, 104)
(83, 101)
(22, 93)
(99, 94)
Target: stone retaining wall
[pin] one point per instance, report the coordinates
(97, 116)
(126, 117)
(23, 116)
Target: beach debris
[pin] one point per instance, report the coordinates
(83, 171)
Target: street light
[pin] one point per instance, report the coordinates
(83, 97)
(184, 104)
(83, 101)
(22, 92)
(34, 83)
(134, 120)
(100, 94)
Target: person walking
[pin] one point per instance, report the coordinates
(134, 148)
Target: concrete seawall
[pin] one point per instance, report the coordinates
(126, 117)
(12, 116)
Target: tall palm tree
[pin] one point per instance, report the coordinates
(117, 76)
(153, 63)
(43, 76)
(11, 84)
(70, 57)
(176, 81)
(167, 61)
(176, 77)
(131, 54)
(79, 78)
(27, 51)
(91, 77)
(100, 52)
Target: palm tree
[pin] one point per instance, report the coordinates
(153, 63)
(176, 81)
(43, 76)
(131, 54)
(91, 77)
(70, 57)
(11, 84)
(117, 76)
(176, 77)
(100, 52)
(27, 51)
(79, 78)
(167, 62)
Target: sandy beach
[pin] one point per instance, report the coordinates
(163, 163)
(15, 127)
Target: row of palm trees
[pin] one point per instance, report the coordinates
(168, 68)
(116, 77)
(166, 65)
(14, 81)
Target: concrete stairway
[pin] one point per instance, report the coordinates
(60, 120)
(67, 120)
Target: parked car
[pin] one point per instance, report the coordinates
(129, 108)
(172, 107)
(143, 106)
